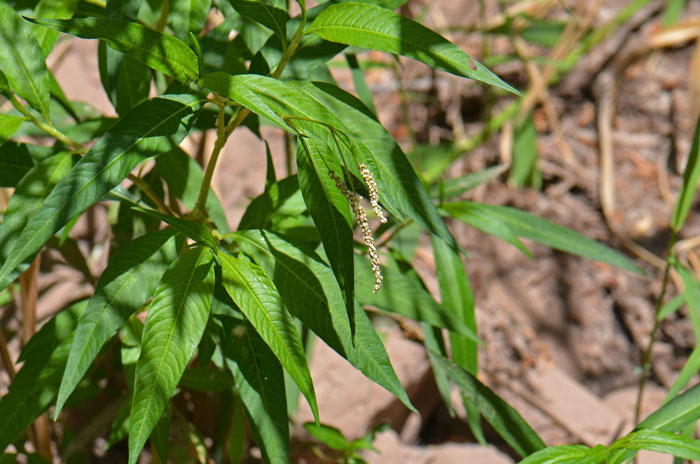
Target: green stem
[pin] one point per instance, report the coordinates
(646, 360)
(47, 127)
(221, 137)
(150, 193)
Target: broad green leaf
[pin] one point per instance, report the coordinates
(676, 414)
(22, 61)
(503, 418)
(194, 230)
(28, 197)
(401, 295)
(260, 381)
(15, 162)
(317, 107)
(184, 177)
(8, 126)
(35, 386)
(153, 127)
(159, 51)
(125, 286)
(309, 289)
(331, 214)
(176, 320)
(661, 442)
(547, 233)
(377, 28)
(270, 13)
(565, 454)
(457, 297)
(188, 16)
(256, 296)
(690, 182)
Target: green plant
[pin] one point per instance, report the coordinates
(236, 299)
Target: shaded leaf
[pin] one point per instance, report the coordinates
(188, 16)
(156, 50)
(377, 28)
(502, 417)
(35, 386)
(260, 381)
(270, 13)
(194, 230)
(153, 127)
(256, 296)
(176, 321)
(15, 161)
(125, 286)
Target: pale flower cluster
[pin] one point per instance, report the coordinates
(361, 216)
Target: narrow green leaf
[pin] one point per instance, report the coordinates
(15, 161)
(458, 298)
(270, 13)
(523, 170)
(237, 433)
(547, 233)
(376, 28)
(309, 289)
(260, 381)
(434, 341)
(22, 61)
(331, 214)
(692, 297)
(125, 286)
(690, 182)
(676, 414)
(194, 230)
(329, 436)
(401, 295)
(176, 320)
(35, 386)
(502, 417)
(282, 199)
(661, 442)
(358, 78)
(8, 126)
(159, 51)
(564, 454)
(256, 296)
(184, 177)
(455, 187)
(153, 127)
(28, 197)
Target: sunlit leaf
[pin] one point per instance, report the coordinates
(176, 320)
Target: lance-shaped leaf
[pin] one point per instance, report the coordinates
(401, 295)
(676, 414)
(194, 230)
(690, 182)
(270, 13)
(331, 115)
(176, 321)
(22, 61)
(309, 289)
(377, 28)
(35, 386)
(547, 233)
(661, 442)
(29, 195)
(503, 418)
(125, 285)
(260, 381)
(568, 454)
(159, 51)
(188, 16)
(330, 211)
(153, 127)
(256, 296)
(15, 161)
